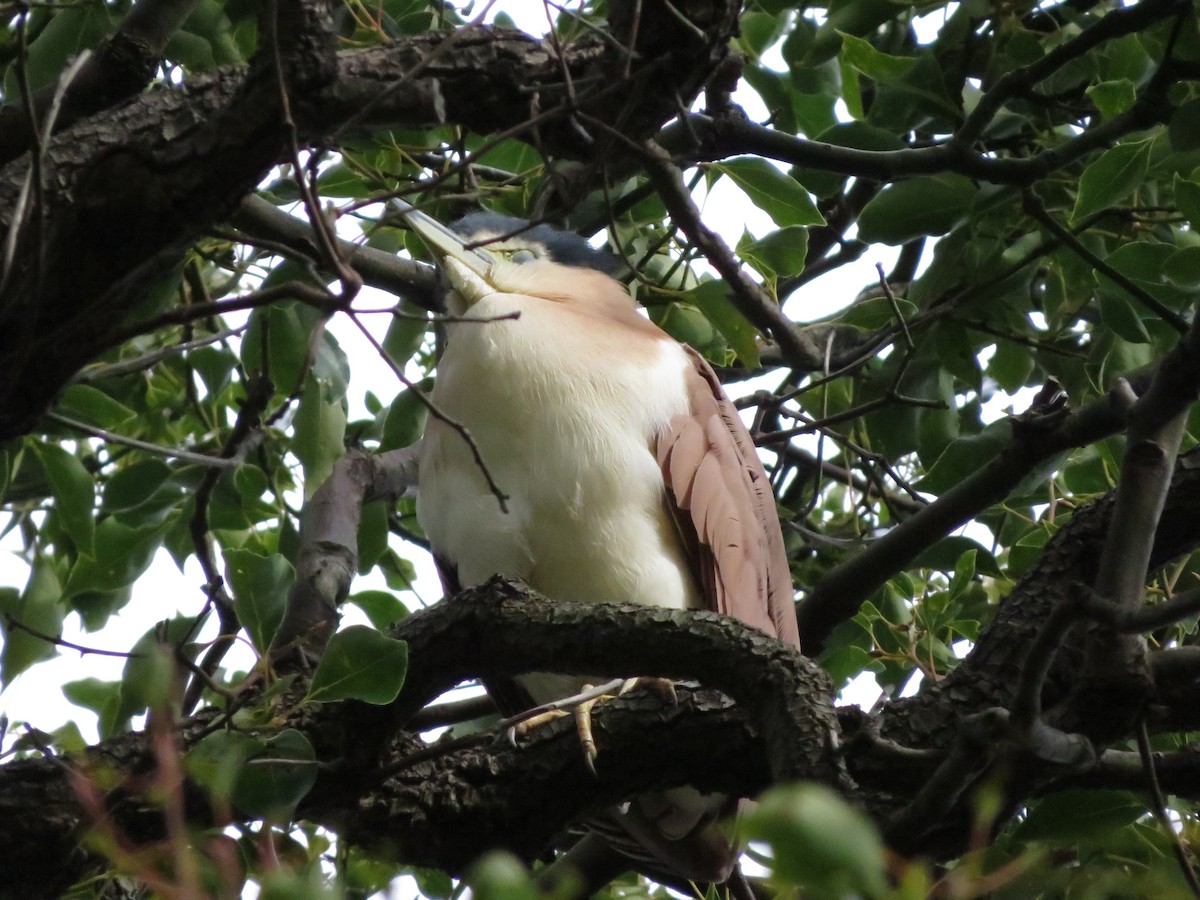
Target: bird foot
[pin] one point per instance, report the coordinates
(663, 687)
(522, 724)
(581, 705)
(526, 726)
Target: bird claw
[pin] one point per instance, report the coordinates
(583, 728)
(581, 707)
(664, 688)
(525, 726)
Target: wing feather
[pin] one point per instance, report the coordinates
(724, 508)
(685, 455)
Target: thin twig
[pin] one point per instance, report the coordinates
(1035, 208)
(214, 462)
(1159, 808)
(10, 622)
(140, 363)
(437, 413)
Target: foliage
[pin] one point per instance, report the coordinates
(1032, 177)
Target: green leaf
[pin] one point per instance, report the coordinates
(102, 697)
(966, 456)
(88, 404)
(339, 180)
(399, 573)
(217, 760)
(121, 554)
(133, 485)
(780, 253)
(819, 842)
(876, 65)
(688, 325)
(406, 332)
(320, 432)
(1011, 366)
(250, 482)
(39, 607)
(360, 664)
(260, 586)
(1182, 268)
(779, 195)
(874, 313)
(150, 675)
(499, 875)
(372, 534)
(74, 493)
(381, 607)
(73, 29)
(1184, 128)
(858, 17)
(1076, 814)
(290, 332)
(927, 205)
(214, 365)
(758, 32)
(434, 884)
(852, 93)
(206, 39)
(405, 420)
(1187, 200)
(1111, 178)
(1120, 314)
(1112, 97)
(276, 778)
(1144, 263)
(7, 465)
(964, 573)
(190, 50)
(947, 553)
(712, 299)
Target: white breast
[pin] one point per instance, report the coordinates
(566, 433)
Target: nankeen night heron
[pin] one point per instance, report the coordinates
(628, 473)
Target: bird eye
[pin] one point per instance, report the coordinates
(523, 256)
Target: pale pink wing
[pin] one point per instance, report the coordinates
(725, 509)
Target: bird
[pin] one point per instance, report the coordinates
(627, 476)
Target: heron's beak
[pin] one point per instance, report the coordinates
(445, 245)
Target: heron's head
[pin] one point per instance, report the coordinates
(485, 253)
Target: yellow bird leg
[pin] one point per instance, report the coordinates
(526, 726)
(523, 723)
(664, 688)
(581, 704)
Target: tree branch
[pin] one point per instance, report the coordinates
(122, 65)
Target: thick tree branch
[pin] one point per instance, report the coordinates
(1156, 425)
(388, 272)
(124, 64)
(327, 560)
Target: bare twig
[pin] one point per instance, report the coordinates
(111, 437)
(1159, 808)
